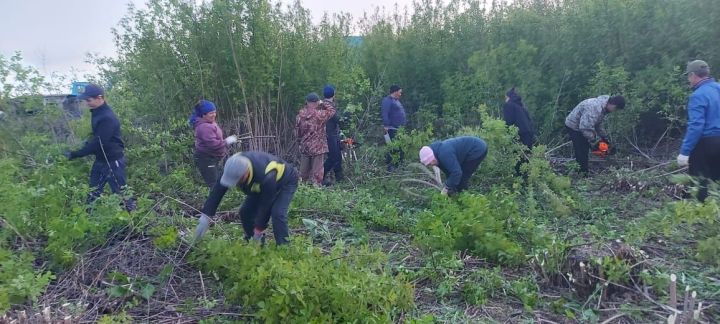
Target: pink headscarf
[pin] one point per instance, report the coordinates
(426, 155)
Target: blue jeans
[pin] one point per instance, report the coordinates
(112, 173)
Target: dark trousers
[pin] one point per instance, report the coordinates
(388, 156)
(705, 163)
(468, 168)
(581, 147)
(209, 167)
(528, 139)
(112, 173)
(278, 212)
(334, 157)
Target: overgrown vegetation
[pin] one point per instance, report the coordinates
(540, 242)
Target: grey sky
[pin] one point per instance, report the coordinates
(56, 35)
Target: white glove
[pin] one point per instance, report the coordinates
(444, 191)
(232, 139)
(683, 160)
(202, 226)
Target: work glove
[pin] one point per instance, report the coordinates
(230, 140)
(683, 160)
(444, 191)
(202, 226)
(68, 155)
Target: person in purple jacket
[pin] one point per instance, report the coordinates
(210, 147)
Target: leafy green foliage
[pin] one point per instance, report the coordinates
(489, 226)
(483, 285)
(298, 283)
(166, 237)
(19, 282)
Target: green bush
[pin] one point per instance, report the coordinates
(299, 284)
(489, 226)
(482, 285)
(18, 281)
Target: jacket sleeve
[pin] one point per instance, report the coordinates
(208, 138)
(508, 114)
(104, 130)
(326, 113)
(450, 163)
(213, 200)
(587, 123)
(269, 190)
(385, 112)
(696, 122)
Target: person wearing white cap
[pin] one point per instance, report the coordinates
(269, 184)
(457, 157)
(700, 150)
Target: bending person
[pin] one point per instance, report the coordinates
(269, 184)
(457, 157)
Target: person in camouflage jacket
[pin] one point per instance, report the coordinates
(310, 131)
(584, 125)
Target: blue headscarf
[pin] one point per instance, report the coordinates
(201, 108)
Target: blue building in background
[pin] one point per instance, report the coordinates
(78, 87)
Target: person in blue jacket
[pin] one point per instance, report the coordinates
(457, 157)
(701, 147)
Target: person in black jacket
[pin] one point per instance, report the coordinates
(515, 114)
(457, 157)
(106, 144)
(269, 184)
(333, 162)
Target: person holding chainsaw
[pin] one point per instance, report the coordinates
(457, 157)
(210, 147)
(584, 126)
(269, 184)
(701, 147)
(333, 162)
(107, 146)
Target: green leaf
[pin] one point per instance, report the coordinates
(147, 291)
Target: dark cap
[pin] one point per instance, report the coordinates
(328, 91)
(394, 88)
(697, 66)
(312, 97)
(91, 91)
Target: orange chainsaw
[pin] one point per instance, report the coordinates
(602, 150)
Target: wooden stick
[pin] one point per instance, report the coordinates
(561, 145)
(689, 311)
(202, 283)
(686, 300)
(673, 291)
(607, 321)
